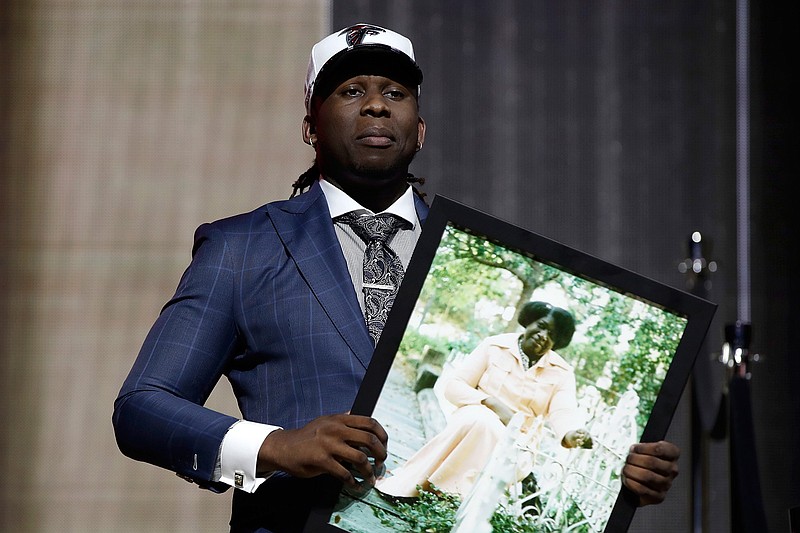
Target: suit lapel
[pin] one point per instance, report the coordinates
(304, 226)
(422, 209)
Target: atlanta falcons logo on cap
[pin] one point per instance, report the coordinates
(356, 34)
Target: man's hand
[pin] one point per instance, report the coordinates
(327, 445)
(650, 469)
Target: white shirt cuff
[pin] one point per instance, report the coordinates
(239, 454)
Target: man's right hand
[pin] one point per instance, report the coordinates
(327, 445)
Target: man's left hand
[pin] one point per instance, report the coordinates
(650, 469)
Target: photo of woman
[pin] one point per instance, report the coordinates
(505, 374)
(513, 397)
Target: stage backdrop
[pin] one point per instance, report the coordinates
(126, 124)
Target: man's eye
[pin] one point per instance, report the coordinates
(395, 94)
(352, 91)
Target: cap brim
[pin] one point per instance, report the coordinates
(367, 59)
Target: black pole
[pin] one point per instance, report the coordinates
(747, 505)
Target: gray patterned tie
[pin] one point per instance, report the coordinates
(383, 270)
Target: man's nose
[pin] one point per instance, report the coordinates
(375, 105)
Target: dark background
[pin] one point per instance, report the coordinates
(611, 127)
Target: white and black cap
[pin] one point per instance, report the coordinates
(360, 49)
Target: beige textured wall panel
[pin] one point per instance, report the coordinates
(126, 124)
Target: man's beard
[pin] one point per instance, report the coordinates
(386, 171)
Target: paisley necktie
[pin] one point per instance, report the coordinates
(383, 270)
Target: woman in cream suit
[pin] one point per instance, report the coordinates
(505, 374)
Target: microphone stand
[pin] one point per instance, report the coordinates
(747, 505)
(734, 415)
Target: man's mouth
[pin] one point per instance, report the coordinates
(378, 137)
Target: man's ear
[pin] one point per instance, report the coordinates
(309, 132)
(420, 133)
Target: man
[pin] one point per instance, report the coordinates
(277, 300)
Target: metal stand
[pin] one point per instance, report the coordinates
(733, 417)
(747, 505)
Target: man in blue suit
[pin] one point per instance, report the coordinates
(274, 300)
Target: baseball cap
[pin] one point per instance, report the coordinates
(360, 49)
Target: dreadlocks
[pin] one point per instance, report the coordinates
(307, 179)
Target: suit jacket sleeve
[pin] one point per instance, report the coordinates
(462, 387)
(158, 416)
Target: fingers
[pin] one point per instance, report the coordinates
(586, 439)
(368, 433)
(650, 469)
(661, 449)
(366, 451)
(344, 446)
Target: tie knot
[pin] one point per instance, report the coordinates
(379, 228)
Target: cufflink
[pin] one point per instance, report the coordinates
(238, 478)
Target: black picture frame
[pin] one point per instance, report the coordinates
(595, 290)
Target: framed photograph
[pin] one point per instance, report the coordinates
(512, 376)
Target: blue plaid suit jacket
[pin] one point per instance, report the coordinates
(267, 301)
